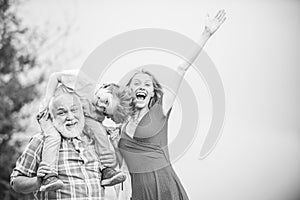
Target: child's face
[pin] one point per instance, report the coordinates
(106, 102)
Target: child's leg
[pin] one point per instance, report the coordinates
(97, 131)
(51, 149)
(50, 155)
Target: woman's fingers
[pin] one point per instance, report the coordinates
(223, 13)
(223, 20)
(213, 24)
(221, 16)
(218, 13)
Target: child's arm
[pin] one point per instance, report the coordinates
(74, 80)
(211, 27)
(56, 78)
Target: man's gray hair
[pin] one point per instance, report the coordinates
(61, 89)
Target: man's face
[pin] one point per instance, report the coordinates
(106, 102)
(68, 116)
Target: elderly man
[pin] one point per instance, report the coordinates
(78, 165)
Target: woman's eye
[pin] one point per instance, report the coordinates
(136, 83)
(61, 113)
(148, 85)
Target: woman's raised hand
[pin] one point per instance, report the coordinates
(213, 24)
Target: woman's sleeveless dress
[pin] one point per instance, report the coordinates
(147, 158)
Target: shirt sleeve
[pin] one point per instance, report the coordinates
(27, 164)
(78, 82)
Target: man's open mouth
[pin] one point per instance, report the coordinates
(71, 124)
(141, 95)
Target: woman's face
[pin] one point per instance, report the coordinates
(142, 86)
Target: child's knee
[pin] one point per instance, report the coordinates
(53, 137)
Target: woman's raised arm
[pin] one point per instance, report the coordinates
(211, 26)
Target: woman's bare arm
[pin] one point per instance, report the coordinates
(212, 25)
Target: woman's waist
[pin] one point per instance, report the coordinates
(143, 157)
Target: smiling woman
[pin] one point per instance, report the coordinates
(144, 138)
(151, 92)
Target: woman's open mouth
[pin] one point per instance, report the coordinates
(141, 95)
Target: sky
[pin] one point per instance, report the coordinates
(256, 53)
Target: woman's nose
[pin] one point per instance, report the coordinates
(141, 88)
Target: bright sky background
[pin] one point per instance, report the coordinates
(257, 55)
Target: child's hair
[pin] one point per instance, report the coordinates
(158, 91)
(126, 104)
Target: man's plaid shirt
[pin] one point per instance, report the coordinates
(78, 168)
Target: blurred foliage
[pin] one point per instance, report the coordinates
(18, 87)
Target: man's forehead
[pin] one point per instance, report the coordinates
(65, 100)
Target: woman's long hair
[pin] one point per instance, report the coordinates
(158, 91)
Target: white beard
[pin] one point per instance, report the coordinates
(74, 132)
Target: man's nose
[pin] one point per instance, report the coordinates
(70, 116)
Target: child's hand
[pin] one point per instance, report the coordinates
(43, 170)
(114, 136)
(113, 131)
(44, 120)
(44, 105)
